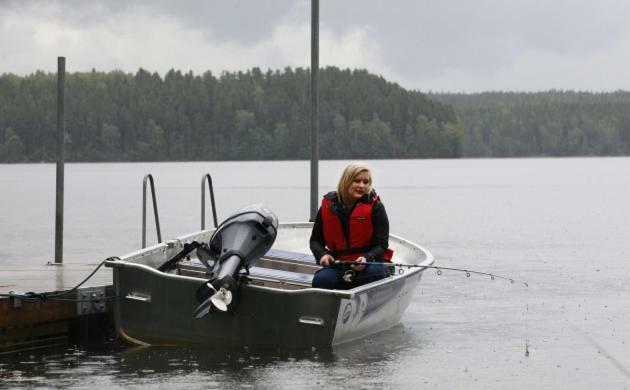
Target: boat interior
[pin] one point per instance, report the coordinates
(277, 269)
(288, 265)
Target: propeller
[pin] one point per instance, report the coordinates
(220, 299)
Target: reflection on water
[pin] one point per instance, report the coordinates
(114, 364)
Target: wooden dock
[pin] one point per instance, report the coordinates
(83, 312)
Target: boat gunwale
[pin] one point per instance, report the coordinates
(126, 262)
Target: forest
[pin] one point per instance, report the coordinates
(551, 123)
(256, 115)
(117, 116)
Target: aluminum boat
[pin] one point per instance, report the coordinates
(273, 304)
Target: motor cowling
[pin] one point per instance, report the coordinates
(236, 244)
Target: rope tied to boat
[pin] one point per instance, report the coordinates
(32, 296)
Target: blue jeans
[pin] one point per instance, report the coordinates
(331, 278)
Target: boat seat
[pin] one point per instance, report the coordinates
(281, 274)
(293, 262)
(280, 269)
(295, 268)
(280, 254)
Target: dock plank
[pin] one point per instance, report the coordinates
(25, 324)
(49, 278)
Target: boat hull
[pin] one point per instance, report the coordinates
(156, 308)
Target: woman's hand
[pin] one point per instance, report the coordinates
(359, 268)
(326, 260)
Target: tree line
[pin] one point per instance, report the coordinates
(250, 115)
(551, 123)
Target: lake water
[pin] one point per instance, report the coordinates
(562, 225)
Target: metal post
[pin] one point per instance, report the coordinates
(314, 106)
(207, 178)
(61, 151)
(149, 177)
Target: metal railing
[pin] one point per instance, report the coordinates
(207, 178)
(149, 177)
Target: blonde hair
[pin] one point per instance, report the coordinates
(348, 175)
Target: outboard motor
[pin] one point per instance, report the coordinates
(236, 244)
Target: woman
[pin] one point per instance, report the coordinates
(351, 225)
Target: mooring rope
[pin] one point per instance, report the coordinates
(56, 296)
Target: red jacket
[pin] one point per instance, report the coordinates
(360, 230)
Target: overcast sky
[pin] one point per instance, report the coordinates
(427, 45)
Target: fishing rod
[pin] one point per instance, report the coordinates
(439, 269)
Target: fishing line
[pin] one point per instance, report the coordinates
(525, 320)
(439, 272)
(438, 268)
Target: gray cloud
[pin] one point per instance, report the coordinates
(423, 38)
(455, 45)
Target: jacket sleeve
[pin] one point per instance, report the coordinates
(317, 243)
(380, 235)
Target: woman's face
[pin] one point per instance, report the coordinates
(359, 186)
